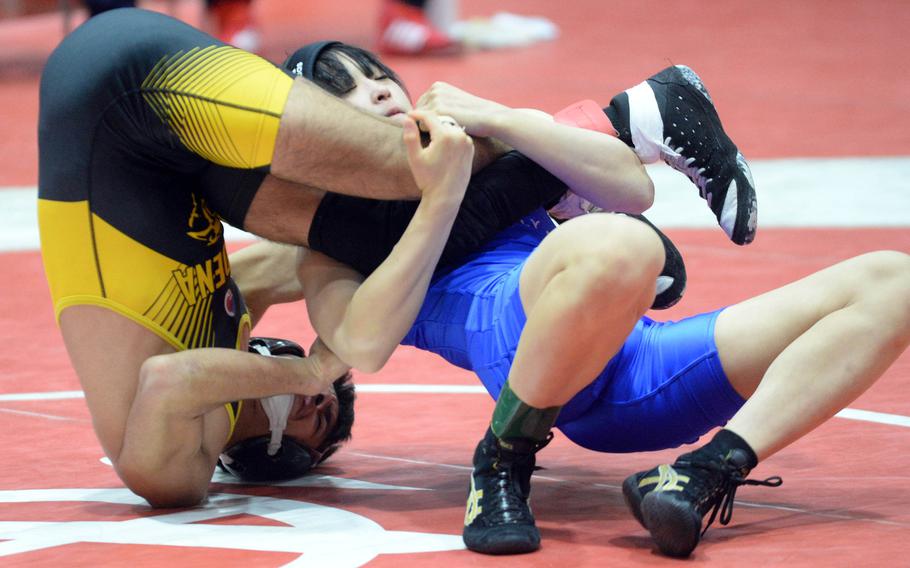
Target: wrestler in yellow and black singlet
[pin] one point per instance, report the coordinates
(150, 133)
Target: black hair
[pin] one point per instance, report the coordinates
(345, 393)
(321, 63)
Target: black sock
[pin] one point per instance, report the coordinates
(724, 442)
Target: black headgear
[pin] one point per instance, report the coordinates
(249, 459)
(302, 63)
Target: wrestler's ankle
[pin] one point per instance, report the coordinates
(515, 419)
(726, 441)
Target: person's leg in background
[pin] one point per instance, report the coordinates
(95, 7)
(405, 29)
(232, 22)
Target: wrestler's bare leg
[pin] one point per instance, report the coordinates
(583, 289)
(327, 143)
(804, 351)
(107, 350)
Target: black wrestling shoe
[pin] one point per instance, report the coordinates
(498, 519)
(692, 141)
(671, 500)
(696, 145)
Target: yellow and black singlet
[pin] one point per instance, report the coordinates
(150, 133)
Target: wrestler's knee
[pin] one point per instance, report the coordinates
(883, 277)
(877, 272)
(613, 252)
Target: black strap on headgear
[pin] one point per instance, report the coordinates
(302, 63)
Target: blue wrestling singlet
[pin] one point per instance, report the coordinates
(664, 388)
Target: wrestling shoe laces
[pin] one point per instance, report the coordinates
(695, 144)
(671, 501)
(716, 488)
(498, 518)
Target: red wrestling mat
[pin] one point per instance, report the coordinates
(791, 79)
(394, 496)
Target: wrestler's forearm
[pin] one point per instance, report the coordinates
(384, 307)
(596, 166)
(486, 151)
(196, 381)
(173, 437)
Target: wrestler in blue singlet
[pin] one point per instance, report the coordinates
(664, 388)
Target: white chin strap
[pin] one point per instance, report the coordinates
(277, 408)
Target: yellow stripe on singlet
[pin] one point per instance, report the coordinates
(89, 261)
(233, 412)
(223, 103)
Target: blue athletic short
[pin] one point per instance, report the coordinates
(664, 388)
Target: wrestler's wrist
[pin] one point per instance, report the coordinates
(441, 203)
(500, 122)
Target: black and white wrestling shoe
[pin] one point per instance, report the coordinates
(671, 117)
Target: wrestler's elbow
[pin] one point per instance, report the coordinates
(155, 486)
(641, 190)
(637, 194)
(367, 355)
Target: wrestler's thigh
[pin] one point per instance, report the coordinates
(107, 351)
(620, 243)
(664, 388)
(751, 334)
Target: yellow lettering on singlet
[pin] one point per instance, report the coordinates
(220, 264)
(223, 103)
(200, 280)
(184, 279)
(204, 276)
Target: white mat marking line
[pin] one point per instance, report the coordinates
(847, 413)
(40, 415)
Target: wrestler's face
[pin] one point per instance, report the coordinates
(379, 94)
(312, 418)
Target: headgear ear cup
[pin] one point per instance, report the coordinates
(249, 460)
